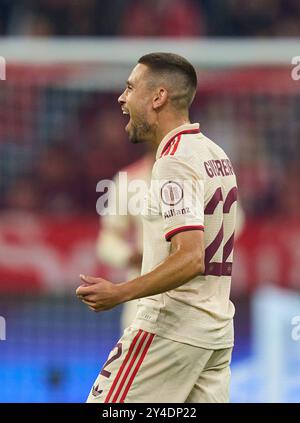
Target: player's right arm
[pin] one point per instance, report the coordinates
(185, 261)
(179, 188)
(178, 192)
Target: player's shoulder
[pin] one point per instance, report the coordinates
(181, 145)
(181, 162)
(191, 148)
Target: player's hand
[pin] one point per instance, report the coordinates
(99, 294)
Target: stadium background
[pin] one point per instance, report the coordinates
(61, 131)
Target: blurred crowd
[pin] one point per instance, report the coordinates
(56, 143)
(60, 172)
(142, 18)
(53, 163)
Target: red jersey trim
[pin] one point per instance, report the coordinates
(186, 131)
(169, 235)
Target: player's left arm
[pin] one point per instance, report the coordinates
(185, 261)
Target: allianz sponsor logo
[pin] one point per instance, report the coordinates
(173, 212)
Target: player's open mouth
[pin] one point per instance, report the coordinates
(126, 112)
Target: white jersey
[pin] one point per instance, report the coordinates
(193, 187)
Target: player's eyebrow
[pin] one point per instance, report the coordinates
(129, 83)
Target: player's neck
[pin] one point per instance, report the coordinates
(167, 125)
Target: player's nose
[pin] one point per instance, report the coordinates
(121, 99)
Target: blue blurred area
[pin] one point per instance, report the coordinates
(55, 347)
(271, 373)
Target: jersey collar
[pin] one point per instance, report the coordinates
(188, 128)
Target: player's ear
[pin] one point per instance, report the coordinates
(160, 98)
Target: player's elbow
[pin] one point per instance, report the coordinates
(195, 265)
(198, 265)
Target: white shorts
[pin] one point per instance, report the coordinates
(146, 368)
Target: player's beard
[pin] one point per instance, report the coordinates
(139, 131)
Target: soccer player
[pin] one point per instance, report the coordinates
(178, 348)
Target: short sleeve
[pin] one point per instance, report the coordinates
(180, 189)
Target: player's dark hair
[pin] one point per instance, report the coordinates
(170, 65)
